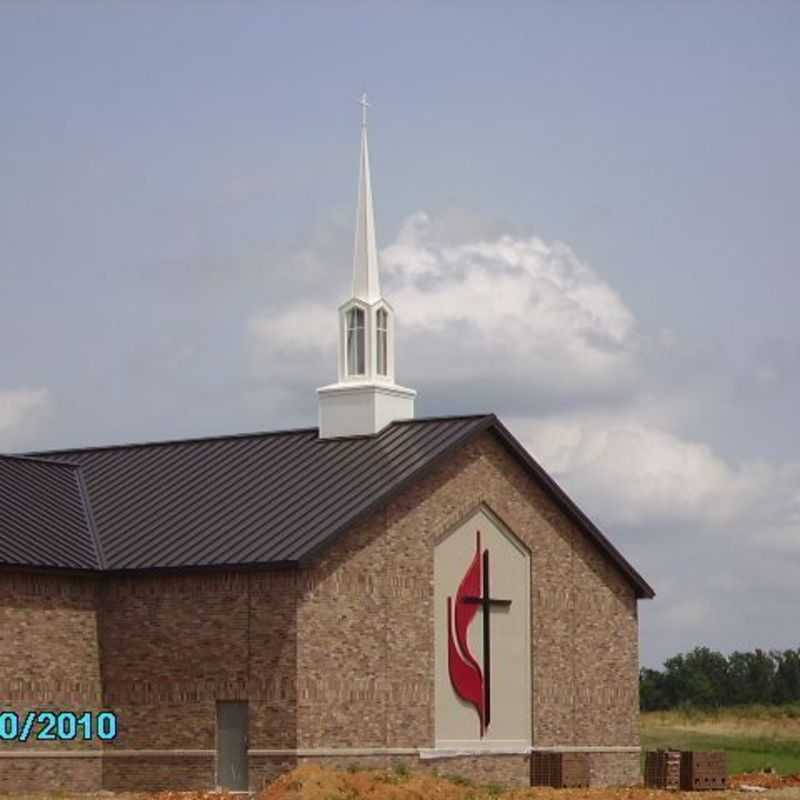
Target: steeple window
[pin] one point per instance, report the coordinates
(355, 342)
(382, 349)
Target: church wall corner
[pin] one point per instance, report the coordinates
(49, 661)
(580, 606)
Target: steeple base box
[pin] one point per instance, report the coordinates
(353, 409)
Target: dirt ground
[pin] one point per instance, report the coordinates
(315, 783)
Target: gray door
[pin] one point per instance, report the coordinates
(232, 745)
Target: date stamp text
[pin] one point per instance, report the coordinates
(57, 726)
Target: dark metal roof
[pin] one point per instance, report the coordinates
(43, 517)
(265, 499)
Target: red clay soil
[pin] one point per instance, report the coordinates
(317, 783)
(180, 796)
(769, 780)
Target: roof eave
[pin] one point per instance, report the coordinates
(178, 569)
(491, 422)
(480, 424)
(643, 588)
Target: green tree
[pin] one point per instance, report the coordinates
(699, 678)
(706, 678)
(652, 692)
(741, 690)
(762, 676)
(786, 684)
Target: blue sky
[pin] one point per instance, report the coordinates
(178, 195)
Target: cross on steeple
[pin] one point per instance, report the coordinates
(364, 106)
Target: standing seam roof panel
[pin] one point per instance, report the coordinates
(42, 519)
(329, 491)
(242, 491)
(373, 484)
(195, 500)
(269, 498)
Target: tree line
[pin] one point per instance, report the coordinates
(705, 678)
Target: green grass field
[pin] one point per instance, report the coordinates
(755, 737)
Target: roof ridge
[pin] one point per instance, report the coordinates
(442, 417)
(160, 442)
(37, 454)
(83, 490)
(53, 462)
(481, 422)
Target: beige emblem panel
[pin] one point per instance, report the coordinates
(458, 721)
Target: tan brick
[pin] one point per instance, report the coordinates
(340, 655)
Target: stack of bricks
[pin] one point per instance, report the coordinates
(560, 770)
(662, 769)
(704, 770)
(687, 770)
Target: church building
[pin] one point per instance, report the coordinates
(378, 590)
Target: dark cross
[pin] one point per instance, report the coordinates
(486, 601)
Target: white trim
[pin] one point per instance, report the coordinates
(354, 387)
(159, 753)
(427, 755)
(110, 753)
(587, 748)
(443, 752)
(51, 753)
(477, 746)
(322, 752)
(341, 751)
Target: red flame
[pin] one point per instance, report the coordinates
(465, 673)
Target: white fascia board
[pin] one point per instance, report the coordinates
(356, 301)
(357, 387)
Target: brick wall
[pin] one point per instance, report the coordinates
(39, 774)
(374, 588)
(340, 655)
(174, 646)
(157, 773)
(49, 661)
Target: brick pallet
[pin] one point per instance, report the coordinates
(560, 770)
(662, 769)
(704, 770)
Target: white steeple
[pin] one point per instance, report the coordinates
(365, 397)
(366, 280)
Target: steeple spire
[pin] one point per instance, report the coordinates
(365, 398)
(366, 279)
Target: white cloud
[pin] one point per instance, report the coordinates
(511, 304)
(519, 318)
(636, 473)
(525, 297)
(19, 409)
(525, 270)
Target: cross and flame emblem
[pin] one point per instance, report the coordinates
(471, 682)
